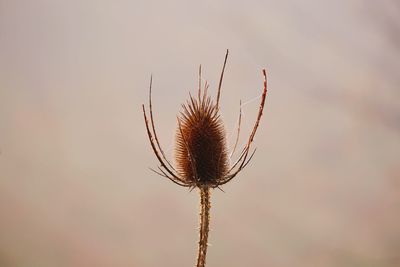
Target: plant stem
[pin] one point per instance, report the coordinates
(205, 206)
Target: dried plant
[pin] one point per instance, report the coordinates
(201, 152)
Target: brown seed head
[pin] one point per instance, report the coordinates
(201, 152)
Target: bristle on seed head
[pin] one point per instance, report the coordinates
(201, 152)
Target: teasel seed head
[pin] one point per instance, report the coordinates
(201, 152)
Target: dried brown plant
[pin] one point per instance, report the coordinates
(201, 152)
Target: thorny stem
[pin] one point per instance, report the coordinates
(205, 206)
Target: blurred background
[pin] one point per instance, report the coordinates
(322, 190)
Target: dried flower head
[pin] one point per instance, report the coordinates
(201, 153)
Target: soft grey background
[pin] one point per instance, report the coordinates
(322, 190)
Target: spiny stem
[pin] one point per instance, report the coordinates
(205, 206)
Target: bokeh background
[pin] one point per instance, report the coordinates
(322, 190)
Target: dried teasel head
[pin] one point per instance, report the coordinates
(201, 153)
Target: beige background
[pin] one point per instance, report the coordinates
(322, 190)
